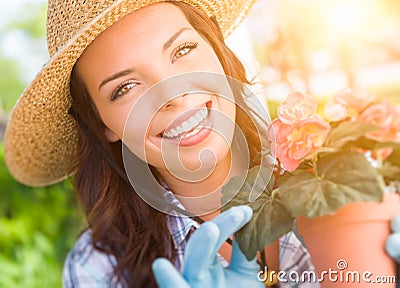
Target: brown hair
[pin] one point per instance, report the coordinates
(121, 223)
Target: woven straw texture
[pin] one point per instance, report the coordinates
(41, 138)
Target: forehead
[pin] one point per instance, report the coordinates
(156, 14)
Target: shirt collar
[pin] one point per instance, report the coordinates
(179, 225)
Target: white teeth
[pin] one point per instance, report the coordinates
(174, 132)
(179, 129)
(198, 117)
(188, 125)
(193, 121)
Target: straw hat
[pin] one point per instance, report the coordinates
(41, 138)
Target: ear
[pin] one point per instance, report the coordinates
(111, 136)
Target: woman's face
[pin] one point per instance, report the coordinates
(121, 69)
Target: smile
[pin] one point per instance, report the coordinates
(190, 127)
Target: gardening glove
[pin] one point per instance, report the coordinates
(393, 241)
(201, 265)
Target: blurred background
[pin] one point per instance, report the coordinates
(318, 47)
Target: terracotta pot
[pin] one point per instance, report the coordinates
(351, 242)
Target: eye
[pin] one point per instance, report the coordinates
(123, 89)
(184, 49)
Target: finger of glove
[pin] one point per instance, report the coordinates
(202, 247)
(395, 224)
(166, 274)
(231, 221)
(392, 246)
(239, 262)
(199, 254)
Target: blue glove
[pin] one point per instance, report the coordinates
(201, 265)
(393, 241)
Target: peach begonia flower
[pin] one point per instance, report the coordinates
(297, 141)
(355, 99)
(334, 111)
(382, 153)
(278, 131)
(385, 117)
(297, 106)
(396, 123)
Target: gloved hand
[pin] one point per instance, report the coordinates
(201, 266)
(393, 241)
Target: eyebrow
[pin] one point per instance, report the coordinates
(115, 76)
(166, 45)
(171, 40)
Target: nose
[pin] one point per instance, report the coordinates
(170, 87)
(176, 101)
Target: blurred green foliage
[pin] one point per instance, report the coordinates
(31, 20)
(37, 228)
(10, 84)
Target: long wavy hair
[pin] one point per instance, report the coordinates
(121, 223)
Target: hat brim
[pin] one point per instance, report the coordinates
(41, 137)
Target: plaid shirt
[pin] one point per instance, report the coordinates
(88, 267)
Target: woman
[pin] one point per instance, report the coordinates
(102, 104)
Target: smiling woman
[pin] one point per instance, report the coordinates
(147, 107)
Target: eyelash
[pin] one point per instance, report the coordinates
(125, 85)
(188, 46)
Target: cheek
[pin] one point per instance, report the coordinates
(137, 129)
(205, 60)
(216, 66)
(229, 108)
(128, 120)
(114, 120)
(157, 125)
(134, 136)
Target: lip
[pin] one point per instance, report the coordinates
(200, 135)
(185, 116)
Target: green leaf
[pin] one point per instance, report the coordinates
(270, 218)
(373, 145)
(346, 132)
(394, 158)
(390, 171)
(343, 177)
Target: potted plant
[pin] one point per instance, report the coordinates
(343, 160)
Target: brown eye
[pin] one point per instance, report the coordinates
(184, 49)
(182, 52)
(123, 89)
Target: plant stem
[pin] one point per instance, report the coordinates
(314, 164)
(274, 192)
